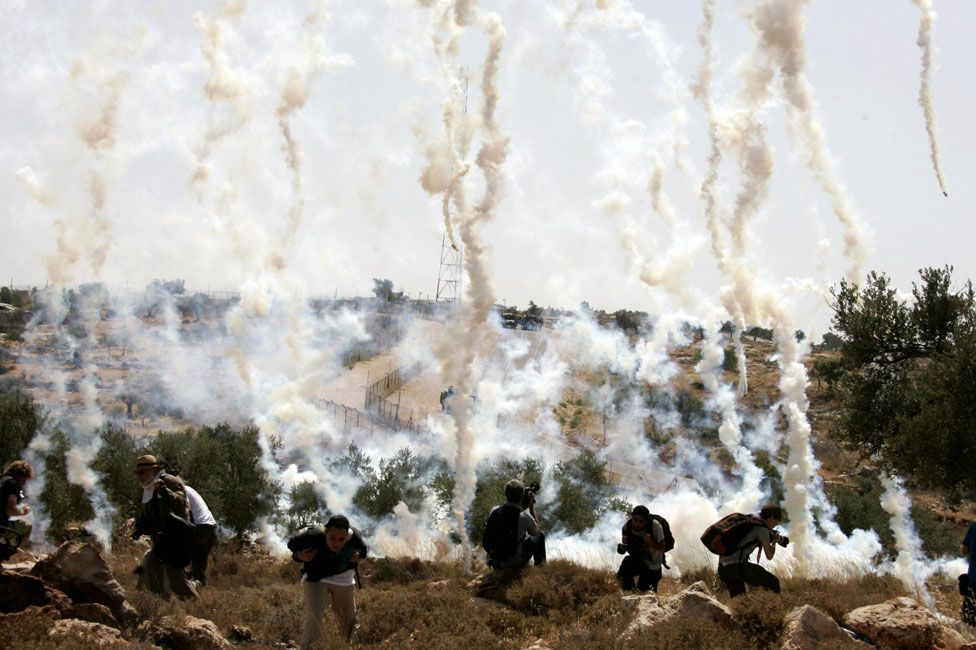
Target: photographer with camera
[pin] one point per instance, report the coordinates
(512, 536)
(642, 539)
(735, 569)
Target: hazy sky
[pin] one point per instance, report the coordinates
(111, 96)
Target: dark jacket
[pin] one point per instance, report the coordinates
(325, 563)
(9, 486)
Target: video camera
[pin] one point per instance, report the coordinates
(528, 498)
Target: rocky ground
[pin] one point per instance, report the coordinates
(71, 598)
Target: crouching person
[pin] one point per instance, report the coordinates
(512, 536)
(642, 539)
(165, 518)
(15, 532)
(734, 567)
(329, 560)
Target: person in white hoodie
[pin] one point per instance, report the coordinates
(205, 536)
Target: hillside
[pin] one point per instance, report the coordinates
(255, 601)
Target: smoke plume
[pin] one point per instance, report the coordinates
(925, 89)
(779, 25)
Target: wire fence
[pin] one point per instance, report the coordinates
(388, 412)
(348, 419)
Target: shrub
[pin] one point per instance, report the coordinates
(691, 408)
(837, 597)
(584, 493)
(730, 362)
(759, 615)
(114, 464)
(560, 590)
(860, 507)
(400, 478)
(64, 502)
(687, 633)
(20, 419)
(400, 571)
(305, 507)
(772, 479)
(224, 465)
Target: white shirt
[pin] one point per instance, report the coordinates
(656, 558)
(198, 507)
(345, 579)
(753, 540)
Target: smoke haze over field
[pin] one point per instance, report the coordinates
(702, 166)
(203, 90)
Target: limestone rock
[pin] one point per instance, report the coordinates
(494, 584)
(806, 627)
(93, 613)
(94, 635)
(185, 633)
(699, 587)
(693, 603)
(951, 639)
(647, 610)
(78, 569)
(538, 644)
(240, 634)
(899, 624)
(19, 591)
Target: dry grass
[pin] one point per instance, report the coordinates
(412, 603)
(560, 590)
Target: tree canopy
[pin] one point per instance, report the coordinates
(909, 382)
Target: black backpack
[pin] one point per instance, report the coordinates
(665, 527)
(725, 536)
(500, 538)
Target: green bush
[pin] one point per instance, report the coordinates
(730, 362)
(114, 464)
(400, 478)
(305, 508)
(583, 493)
(772, 479)
(223, 464)
(64, 502)
(20, 419)
(860, 507)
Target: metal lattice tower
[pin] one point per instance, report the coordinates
(450, 272)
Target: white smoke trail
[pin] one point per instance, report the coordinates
(910, 566)
(748, 497)
(779, 25)
(623, 16)
(457, 353)
(702, 91)
(312, 61)
(925, 89)
(83, 243)
(224, 87)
